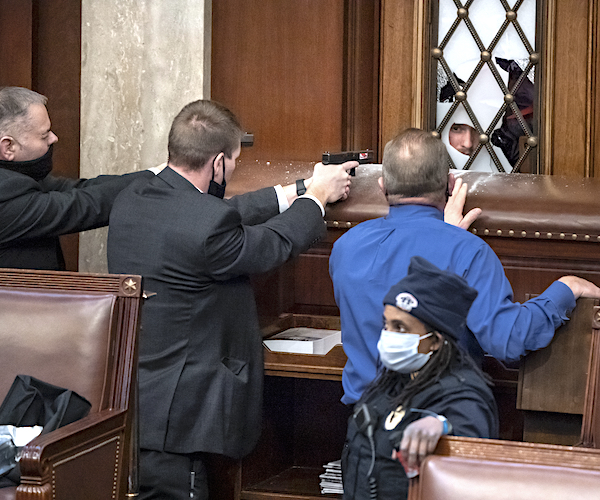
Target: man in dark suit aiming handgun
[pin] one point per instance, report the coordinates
(201, 364)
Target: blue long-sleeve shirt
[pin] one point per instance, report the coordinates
(370, 258)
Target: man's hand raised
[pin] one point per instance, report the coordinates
(453, 213)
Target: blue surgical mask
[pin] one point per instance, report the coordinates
(400, 351)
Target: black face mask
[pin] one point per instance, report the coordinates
(215, 188)
(37, 169)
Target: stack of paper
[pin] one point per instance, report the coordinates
(304, 341)
(331, 479)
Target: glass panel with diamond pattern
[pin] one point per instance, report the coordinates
(485, 92)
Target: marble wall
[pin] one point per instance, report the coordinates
(142, 61)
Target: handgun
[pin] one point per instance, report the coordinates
(365, 156)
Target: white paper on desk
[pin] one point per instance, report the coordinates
(304, 340)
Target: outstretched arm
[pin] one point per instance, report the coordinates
(331, 183)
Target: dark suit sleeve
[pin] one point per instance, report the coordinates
(29, 209)
(256, 207)
(64, 184)
(235, 249)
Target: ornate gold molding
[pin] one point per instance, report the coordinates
(547, 19)
(422, 23)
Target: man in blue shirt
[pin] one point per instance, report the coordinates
(416, 182)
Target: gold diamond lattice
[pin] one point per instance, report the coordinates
(512, 116)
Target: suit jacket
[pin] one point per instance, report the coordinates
(34, 214)
(201, 364)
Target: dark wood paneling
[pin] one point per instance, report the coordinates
(594, 98)
(56, 74)
(15, 42)
(397, 65)
(56, 70)
(554, 428)
(313, 285)
(319, 413)
(361, 91)
(279, 66)
(570, 97)
(554, 379)
(40, 48)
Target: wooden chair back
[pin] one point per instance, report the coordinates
(76, 331)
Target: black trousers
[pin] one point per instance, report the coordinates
(201, 476)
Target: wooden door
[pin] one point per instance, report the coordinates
(301, 75)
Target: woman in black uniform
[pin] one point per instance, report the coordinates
(428, 386)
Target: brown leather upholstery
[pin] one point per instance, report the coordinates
(472, 469)
(63, 330)
(522, 206)
(451, 478)
(76, 331)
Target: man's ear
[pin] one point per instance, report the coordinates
(7, 148)
(217, 163)
(382, 186)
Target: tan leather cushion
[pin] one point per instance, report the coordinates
(60, 338)
(450, 478)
